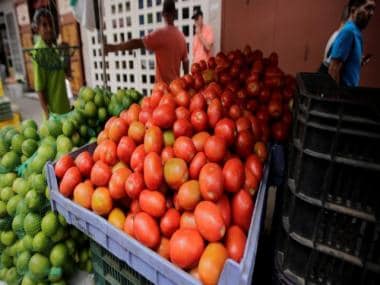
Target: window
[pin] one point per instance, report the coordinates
(108, 76)
(93, 40)
(129, 35)
(96, 76)
(151, 64)
(142, 33)
(101, 77)
(94, 52)
(115, 38)
(149, 3)
(127, 6)
(114, 24)
(185, 30)
(130, 64)
(124, 64)
(95, 64)
(131, 78)
(125, 77)
(185, 13)
(113, 9)
(143, 52)
(107, 65)
(120, 8)
(118, 77)
(145, 92)
(150, 18)
(143, 78)
(122, 37)
(141, 4)
(101, 64)
(158, 2)
(151, 79)
(100, 52)
(143, 64)
(158, 17)
(117, 65)
(129, 21)
(121, 22)
(141, 19)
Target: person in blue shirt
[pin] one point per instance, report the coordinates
(347, 50)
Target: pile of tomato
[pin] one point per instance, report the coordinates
(179, 172)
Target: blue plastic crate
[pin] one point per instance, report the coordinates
(145, 261)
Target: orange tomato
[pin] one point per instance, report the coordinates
(136, 131)
(117, 218)
(117, 183)
(83, 194)
(196, 164)
(137, 158)
(175, 172)
(117, 130)
(189, 195)
(209, 220)
(128, 224)
(153, 140)
(164, 248)
(199, 140)
(102, 136)
(101, 201)
(188, 221)
(211, 263)
(108, 152)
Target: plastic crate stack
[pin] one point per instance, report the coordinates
(330, 219)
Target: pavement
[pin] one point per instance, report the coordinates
(28, 106)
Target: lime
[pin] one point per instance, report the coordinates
(90, 109)
(20, 186)
(64, 144)
(92, 122)
(31, 133)
(120, 95)
(34, 200)
(3, 271)
(68, 128)
(54, 127)
(89, 268)
(62, 220)
(22, 262)
(7, 179)
(47, 193)
(6, 259)
(87, 94)
(40, 242)
(5, 223)
(28, 123)
(3, 209)
(127, 101)
(37, 165)
(9, 135)
(27, 242)
(58, 255)
(11, 276)
(32, 224)
(38, 183)
(98, 100)
(83, 255)
(39, 266)
(47, 150)
(22, 208)
(8, 238)
(70, 244)
(83, 130)
(27, 280)
(18, 224)
(49, 224)
(12, 205)
(59, 235)
(102, 114)
(43, 130)
(17, 141)
(6, 194)
(75, 138)
(28, 147)
(50, 140)
(3, 147)
(10, 160)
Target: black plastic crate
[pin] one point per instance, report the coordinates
(345, 237)
(295, 263)
(341, 185)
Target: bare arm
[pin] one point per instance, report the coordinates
(207, 46)
(335, 69)
(43, 102)
(129, 45)
(185, 66)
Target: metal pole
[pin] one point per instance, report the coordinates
(101, 35)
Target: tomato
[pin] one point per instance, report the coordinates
(265, 135)
(209, 221)
(145, 116)
(182, 113)
(102, 136)
(188, 221)
(125, 149)
(194, 272)
(134, 184)
(129, 224)
(70, 179)
(199, 140)
(261, 151)
(146, 230)
(279, 131)
(264, 95)
(251, 183)
(164, 248)
(170, 222)
(242, 208)
(155, 98)
(227, 98)
(153, 203)
(189, 80)
(215, 148)
(243, 124)
(182, 99)
(182, 127)
(254, 164)
(234, 176)
(253, 88)
(135, 206)
(244, 143)
(263, 116)
(136, 132)
(118, 129)
(199, 120)
(274, 108)
(186, 247)
(177, 85)
(211, 263)
(146, 104)
(168, 99)
(189, 195)
(225, 209)
(108, 153)
(137, 158)
(83, 194)
(164, 116)
(211, 181)
(196, 165)
(117, 183)
(235, 112)
(252, 105)
(63, 164)
(109, 122)
(235, 242)
(153, 173)
(256, 127)
(100, 173)
(166, 154)
(101, 201)
(184, 148)
(161, 86)
(175, 172)
(209, 94)
(226, 130)
(132, 114)
(153, 140)
(214, 112)
(197, 102)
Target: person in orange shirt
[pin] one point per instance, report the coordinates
(203, 39)
(168, 44)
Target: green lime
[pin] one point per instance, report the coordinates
(5, 223)
(7, 238)
(89, 268)
(3, 209)
(62, 220)
(17, 141)
(92, 122)
(10, 160)
(27, 280)
(6, 194)
(20, 186)
(87, 94)
(75, 138)
(43, 131)
(58, 255)
(90, 109)
(22, 208)
(11, 276)
(18, 224)
(32, 224)
(64, 144)
(49, 140)
(7, 179)
(23, 262)
(55, 274)
(47, 151)
(27, 242)
(98, 100)
(9, 135)
(37, 165)
(102, 114)
(54, 127)
(83, 130)
(41, 242)
(39, 266)
(59, 235)
(34, 200)
(49, 224)
(68, 128)
(120, 95)
(4, 147)
(12, 205)
(127, 101)
(6, 259)
(31, 133)
(39, 183)
(70, 244)
(28, 123)
(28, 147)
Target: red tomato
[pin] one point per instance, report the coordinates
(182, 113)
(189, 80)
(279, 131)
(244, 143)
(209, 220)
(235, 112)
(166, 154)
(264, 95)
(197, 102)
(100, 173)
(136, 132)
(225, 129)
(215, 148)
(161, 86)
(214, 112)
(153, 140)
(117, 130)
(146, 230)
(242, 208)
(234, 176)
(170, 222)
(243, 124)
(83, 194)
(153, 203)
(225, 209)
(235, 242)
(184, 148)
(189, 195)
(153, 173)
(125, 149)
(63, 164)
(145, 103)
(182, 127)
(128, 224)
(199, 120)
(182, 99)
(196, 164)
(137, 158)
(211, 181)
(227, 99)
(71, 178)
(261, 151)
(164, 248)
(195, 68)
(109, 152)
(251, 183)
(274, 108)
(254, 164)
(186, 247)
(134, 185)
(117, 183)
(155, 98)
(145, 116)
(175, 172)
(177, 85)
(168, 99)
(135, 206)
(256, 127)
(164, 116)
(132, 114)
(199, 140)
(188, 221)
(263, 116)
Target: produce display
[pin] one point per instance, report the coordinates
(36, 244)
(179, 171)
